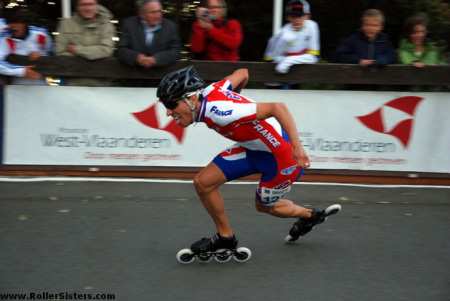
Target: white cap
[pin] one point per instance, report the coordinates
(306, 7)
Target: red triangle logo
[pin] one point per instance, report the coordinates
(403, 129)
(149, 117)
(407, 104)
(373, 121)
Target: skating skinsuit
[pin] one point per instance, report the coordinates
(262, 145)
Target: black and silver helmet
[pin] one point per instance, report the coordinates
(175, 85)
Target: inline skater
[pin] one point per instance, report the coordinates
(267, 143)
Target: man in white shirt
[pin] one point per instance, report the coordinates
(3, 26)
(298, 42)
(22, 39)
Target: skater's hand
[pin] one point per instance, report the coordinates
(301, 157)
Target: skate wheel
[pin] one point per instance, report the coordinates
(223, 257)
(185, 256)
(333, 209)
(242, 254)
(204, 258)
(289, 239)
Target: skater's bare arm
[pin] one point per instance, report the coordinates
(238, 79)
(284, 117)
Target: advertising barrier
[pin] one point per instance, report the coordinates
(104, 126)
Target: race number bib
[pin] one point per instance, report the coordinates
(269, 196)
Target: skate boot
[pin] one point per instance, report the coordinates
(213, 244)
(304, 225)
(222, 249)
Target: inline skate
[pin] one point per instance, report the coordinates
(302, 226)
(222, 249)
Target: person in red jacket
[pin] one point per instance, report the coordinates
(214, 37)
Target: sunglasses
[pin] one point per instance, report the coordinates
(172, 105)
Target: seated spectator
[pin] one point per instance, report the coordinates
(88, 33)
(369, 46)
(214, 36)
(149, 40)
(414, 48)
(23, 39)
(298, 41)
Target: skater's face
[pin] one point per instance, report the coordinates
(181, 113)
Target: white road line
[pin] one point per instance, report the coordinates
(173, 181)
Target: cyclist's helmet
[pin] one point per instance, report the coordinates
(175, 85)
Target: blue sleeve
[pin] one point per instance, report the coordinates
(223, 84)
(230, 87)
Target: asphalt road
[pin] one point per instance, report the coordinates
(121, 238)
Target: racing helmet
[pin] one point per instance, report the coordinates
(175, 85)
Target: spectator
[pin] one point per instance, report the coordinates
(298, 41)
(214, 36)
(149, 40)
(23, 39)
(414, 48)
(88, 34)
(3, 26)
(369, 46)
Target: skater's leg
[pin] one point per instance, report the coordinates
(284, 208)
(207, 183)
(278, 174)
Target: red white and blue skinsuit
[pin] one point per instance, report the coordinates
(262, 145)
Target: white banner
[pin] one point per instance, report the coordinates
(96, 126)
(389, 131)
